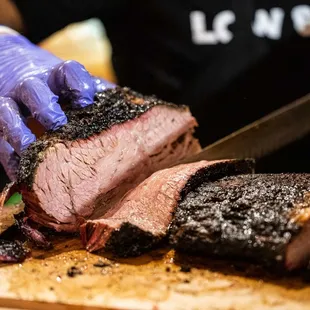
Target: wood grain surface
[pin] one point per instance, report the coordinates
(86, 43)
(159, 280)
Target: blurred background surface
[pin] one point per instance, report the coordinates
(85, 42)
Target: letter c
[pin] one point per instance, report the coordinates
(220, 25)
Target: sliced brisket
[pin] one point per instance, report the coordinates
(141, 219)
(264, 218)
(84, 168)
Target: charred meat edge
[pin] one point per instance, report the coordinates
(127, 239)
(222, 222)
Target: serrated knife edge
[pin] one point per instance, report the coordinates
(263, 136)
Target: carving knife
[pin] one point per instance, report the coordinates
(263, 136)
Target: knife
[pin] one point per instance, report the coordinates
(263, 136)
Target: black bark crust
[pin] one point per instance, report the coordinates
(217, 171)
(113, 106)
(244, 216)
(12, 251)
(130, 240)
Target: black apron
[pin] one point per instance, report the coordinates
(232, 62)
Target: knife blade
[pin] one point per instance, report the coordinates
(263, 136)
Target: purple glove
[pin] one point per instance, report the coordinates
(34, 78)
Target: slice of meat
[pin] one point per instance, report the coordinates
(84, 168)
(141, 219)
(31, 232)
(263, 218)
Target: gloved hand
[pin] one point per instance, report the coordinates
(33, 78)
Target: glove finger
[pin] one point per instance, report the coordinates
(8, 159)
(101, 84)
(71, 81)
(42, 103)
(12, 127)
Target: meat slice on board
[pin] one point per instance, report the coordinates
(263, 218)
(81, 170)
(141, 219)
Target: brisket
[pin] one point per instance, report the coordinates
(81, 170)
(142, 217)
(262, 218)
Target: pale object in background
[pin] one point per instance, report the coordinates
(85, 42)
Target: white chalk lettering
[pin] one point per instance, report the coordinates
(220, 25)
(220, 32)
(268, 24)
(301, 19)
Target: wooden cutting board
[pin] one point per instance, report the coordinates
(159, 280)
